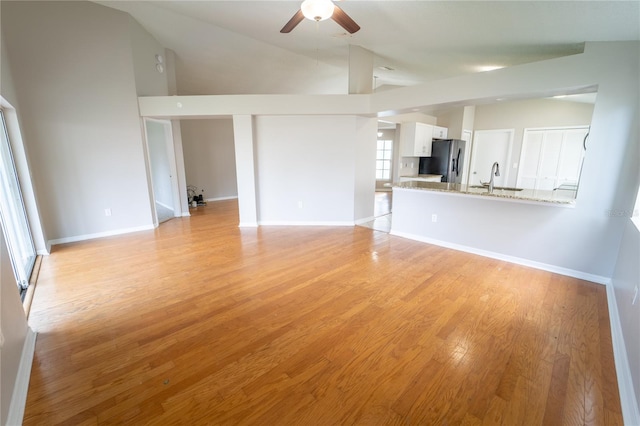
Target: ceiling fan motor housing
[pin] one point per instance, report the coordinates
(317, 10)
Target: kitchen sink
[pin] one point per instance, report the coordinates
(504, 188)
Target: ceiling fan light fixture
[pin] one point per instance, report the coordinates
(317, 10)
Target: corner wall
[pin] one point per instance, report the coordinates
(79, 115)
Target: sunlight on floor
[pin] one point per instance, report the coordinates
(381, 212)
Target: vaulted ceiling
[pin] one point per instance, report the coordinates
(235, 47)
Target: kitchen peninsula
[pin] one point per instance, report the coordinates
(505, 224)
(559, 197)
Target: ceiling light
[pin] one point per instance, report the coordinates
(317, 10)
(380, 134)
(484, 68)
(386, 68)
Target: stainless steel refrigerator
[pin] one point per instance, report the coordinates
(447, 159)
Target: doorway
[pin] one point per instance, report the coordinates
(490, 146)
(162, 170)
(386, 148)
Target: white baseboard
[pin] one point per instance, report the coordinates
(303, 223)
(187, 214)
(628, 402)
(164, 205)
(100, 235)
(233, 197)
(21, 387)
(248, 225)
(365, 220)
(511, 259)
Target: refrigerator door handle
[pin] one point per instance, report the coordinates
(457, 163)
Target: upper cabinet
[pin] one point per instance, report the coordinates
(415, 139)
(440, 132)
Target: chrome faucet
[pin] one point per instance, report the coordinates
(495, 171)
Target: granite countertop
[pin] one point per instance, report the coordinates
(555, 197)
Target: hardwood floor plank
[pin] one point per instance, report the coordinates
(201, 322)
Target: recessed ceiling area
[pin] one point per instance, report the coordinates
(235, 47)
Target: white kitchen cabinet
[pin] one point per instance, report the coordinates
(415, 139)
(440, 132)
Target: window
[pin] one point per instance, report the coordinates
(13, 217)
(383, 159)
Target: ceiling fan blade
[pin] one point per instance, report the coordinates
(295, 20)
(344, 20)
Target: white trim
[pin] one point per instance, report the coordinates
(628, 402)
(21, 387)
(100, 235)
(187, 214)
(511, 259)
(164, 205)
(366, 219)
(303, 223)
(232, 197)
(248, 225)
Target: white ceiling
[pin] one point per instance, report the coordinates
(235, 47)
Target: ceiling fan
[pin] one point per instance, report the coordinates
(319, 10)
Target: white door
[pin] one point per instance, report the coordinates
(490, 146)
(551, 157)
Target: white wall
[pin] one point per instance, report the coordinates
(144, 48)
(365, 168)
(305, 169)
(626, 276)
(452, 120)
(245, 153)
(625, 279)
(13, 324)
(10, 107)
(79, 115)
(159, 161)
(209, 157)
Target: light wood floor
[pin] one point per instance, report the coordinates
(200, 322)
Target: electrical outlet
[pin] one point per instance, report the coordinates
(434, 218)
(635, 296)
(107, 212)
